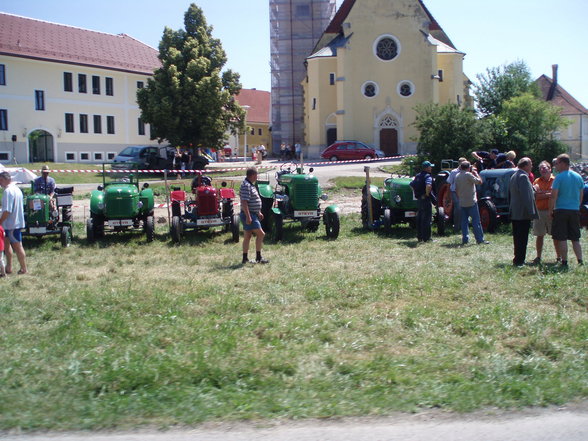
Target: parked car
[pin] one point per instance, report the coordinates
(346, 150)
(145, 157)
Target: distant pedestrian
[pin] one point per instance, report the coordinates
(564, 205)
(298, 150)
(455, 210)
(465, 186)
(12, 221)
(251, 216)
(422, 185)
(522, 209)
(542, 225)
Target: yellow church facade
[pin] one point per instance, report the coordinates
(375, 62)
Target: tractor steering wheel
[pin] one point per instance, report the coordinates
(287, 166)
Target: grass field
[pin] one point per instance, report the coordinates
(123, 333)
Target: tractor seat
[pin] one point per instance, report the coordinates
(64, 190)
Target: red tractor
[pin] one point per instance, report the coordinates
(204, 208)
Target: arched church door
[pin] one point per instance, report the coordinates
(389, 135)
(41, 146)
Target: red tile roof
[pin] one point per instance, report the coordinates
(259, 101)
(31, 38)
(561, 98)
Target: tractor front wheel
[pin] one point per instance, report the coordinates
(235, 228)
(277, 225)
(332, 224)
(387, 220)
(65, 237)
(440, 221)
(149, 228)
(90, 236)
(488, 215)
(176, 229)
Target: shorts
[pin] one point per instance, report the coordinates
(254, 225)
(542, 226)
(566, 225)
(14, 236)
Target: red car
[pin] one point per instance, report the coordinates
(345, 150)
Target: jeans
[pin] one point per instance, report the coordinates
(520, 237)
(423, 219)
(466, 213)
(456, 212)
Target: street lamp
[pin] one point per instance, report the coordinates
(246, 107)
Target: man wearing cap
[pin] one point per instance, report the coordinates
(422, 185)
(45, 184)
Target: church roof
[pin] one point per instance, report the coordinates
(560, 97)
(42, 40)
(259, 103)
(336, 25)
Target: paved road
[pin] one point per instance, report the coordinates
(531, 425)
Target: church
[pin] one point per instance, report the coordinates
(374, 63)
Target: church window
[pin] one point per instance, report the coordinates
(387, 48)
(370, 89)
(405, 88)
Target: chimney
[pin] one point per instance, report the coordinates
(554, 68)
(553, 87)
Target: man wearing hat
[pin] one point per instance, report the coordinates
(422, 185)
(45, 184)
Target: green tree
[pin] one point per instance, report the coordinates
(500, 84)
(447, 132)
(190, 100)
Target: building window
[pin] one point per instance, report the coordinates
(109, 86)
(67, 82)
(84, 156)
(141, 127)
(387, 47)
(140, 84)
(332, 79)
(369, 89)
(69, 122)
(98, 156)
(4, 156)
(3, 119)
(440, 75)
(110, 156)
(70, 156)
(2, 75)
(95, 84)
(260, 132)
(110, 125)
(83, 123)
(405, 88)
(39, 100)
(97, 124)
(82, 87)
(252, 131)
(314, 104)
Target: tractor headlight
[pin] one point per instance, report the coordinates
(140, 205)
(397, 198)
(324, 196)
(101, 206)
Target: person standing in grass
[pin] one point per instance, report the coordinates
(542, 225)
(564, 207)
(12, 220)
(465, 187)
(422, 185)
(522, 209)
(454, 198)
(251, 216)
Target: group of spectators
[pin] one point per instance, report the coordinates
(290, 151)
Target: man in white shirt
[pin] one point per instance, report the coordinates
(12, 220)
(454, 198)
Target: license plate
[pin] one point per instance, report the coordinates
(120, 223)
(37, 230)
(209, 222)
(410, 214)
(304, 213)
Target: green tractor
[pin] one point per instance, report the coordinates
(394, 204)
(296, 198)
(42, 220)
(120, 205)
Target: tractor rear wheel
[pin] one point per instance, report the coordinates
(332, 224)
(387, 220)
(65, 237)
(176, 229)
(277, 227)
(235, 228)
(488, 217)
(440, 220)
(149, 228)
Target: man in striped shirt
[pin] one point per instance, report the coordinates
(251, 216)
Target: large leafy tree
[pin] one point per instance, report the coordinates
(190, 100)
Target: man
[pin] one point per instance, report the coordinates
(564, 206)
(522, 209)
(45, 184)
(251, 216)
(465, 187)
(454, 198)
(542, 225)
(486, 159)
(422, 185)
(12, 220)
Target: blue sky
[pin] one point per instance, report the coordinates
(491, 33)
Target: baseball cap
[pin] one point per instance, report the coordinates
(426, 164)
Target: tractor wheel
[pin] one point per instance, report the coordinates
(266, 210)
(91, 237)
(277, 224)
(66, 216)
(149, 228)
(65, 237)
(227, 212)
(445, 201)
(387, 220)
(332, 224)
(235, 229)
(176, 209)
(440, 220)
(176, 229)
(488, 217)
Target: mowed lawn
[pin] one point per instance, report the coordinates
(123, 333)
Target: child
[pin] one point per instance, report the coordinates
(2, 269)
